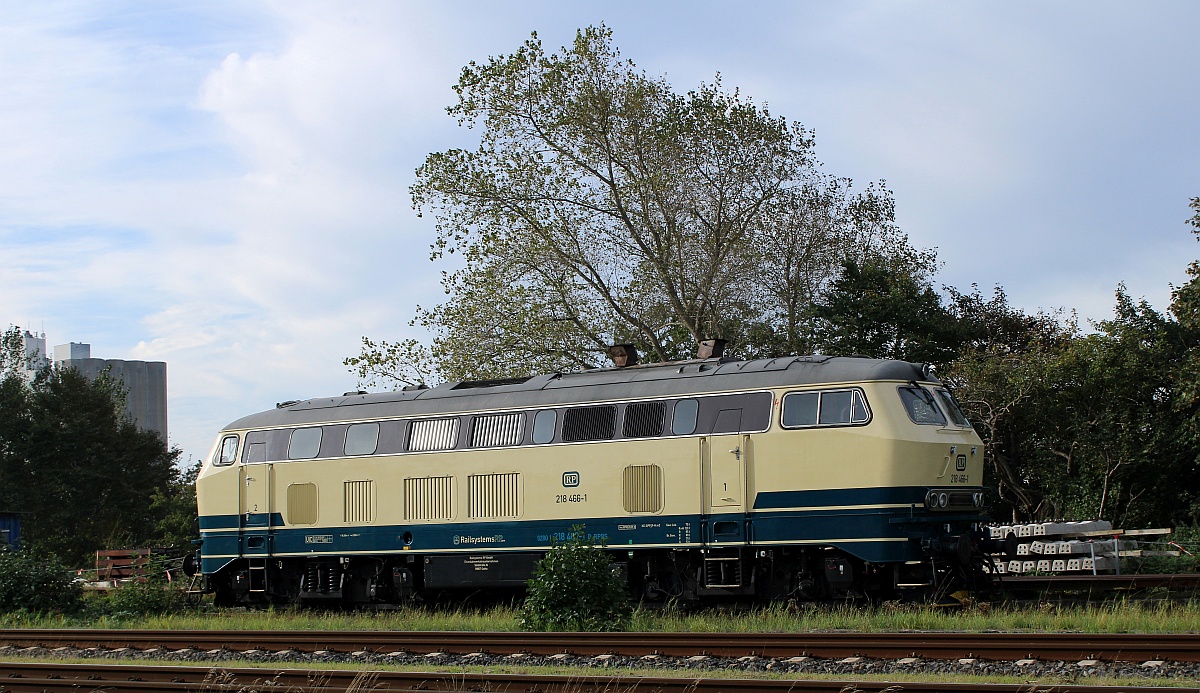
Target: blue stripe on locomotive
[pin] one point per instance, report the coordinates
(876, 534)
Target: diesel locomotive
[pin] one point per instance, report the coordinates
(809, 477)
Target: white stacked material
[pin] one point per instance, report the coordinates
(1050, 529)
(1076, 527)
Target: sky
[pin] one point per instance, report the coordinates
(224, 185)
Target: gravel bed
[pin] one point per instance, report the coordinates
(712, 667)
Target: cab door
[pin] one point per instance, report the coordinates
(725, 473)
(724, 458)
(256, 495)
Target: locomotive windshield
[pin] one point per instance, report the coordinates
(951, 407)
(920, 406)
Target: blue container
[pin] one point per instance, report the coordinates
(10, 530)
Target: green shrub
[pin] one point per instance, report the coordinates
(35, 583)
(576, 588)
(148, 596)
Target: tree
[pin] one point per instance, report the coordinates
(12, 352)
(885, 312)
(1002, 377)
(83, 473)
(1087, 425)
(601, 207)
(175, 507)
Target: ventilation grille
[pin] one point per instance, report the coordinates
(359, 502)
(302, 504)
(644, 420)
(432, 434)
(589, 423)
(497, 430)
(494, 495)
(429, 498)
(642, 490)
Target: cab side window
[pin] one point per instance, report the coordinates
(227, 453)
(825, 408)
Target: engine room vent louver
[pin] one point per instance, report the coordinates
(589, 423)
(643, 420)
(359, 502)
(642, 489)
(494, 495)
(432, 434)
(429, 498)
(497, 430)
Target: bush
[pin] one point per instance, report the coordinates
(35, 583)
(151, 595)
(576, 588)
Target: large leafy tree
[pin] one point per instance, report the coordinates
(601, 206)
(82, 473)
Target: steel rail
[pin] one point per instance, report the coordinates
(24, 677)
(928, 645)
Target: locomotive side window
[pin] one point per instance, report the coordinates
(589, 423)
(255, 449)
(800, 409)
(362, 439)
(433, 434)
(643, 420)
(825, 408)
(684, 421)
(835, 407)
(391, 437)
(305, 443)
(543, 426)
(495, 430)
(254, 452)
(858, 411)
(920, 406)
(227, 455)
(951, 407)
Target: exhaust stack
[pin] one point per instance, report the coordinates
(710, 348)
(623, 355)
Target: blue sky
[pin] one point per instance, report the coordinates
(223, 185)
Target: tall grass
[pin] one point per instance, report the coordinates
(1108, 617)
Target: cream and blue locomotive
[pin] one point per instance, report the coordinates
(804, 477)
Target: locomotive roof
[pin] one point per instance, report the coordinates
(680, 378)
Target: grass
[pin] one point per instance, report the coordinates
(1106, 617)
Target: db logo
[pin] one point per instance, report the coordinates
(961, 463)
(570, 479)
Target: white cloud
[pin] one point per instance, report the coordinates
(224, 186)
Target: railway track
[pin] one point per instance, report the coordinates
(940, 645)
(40, 677)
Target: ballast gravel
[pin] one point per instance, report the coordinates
(713, 667)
